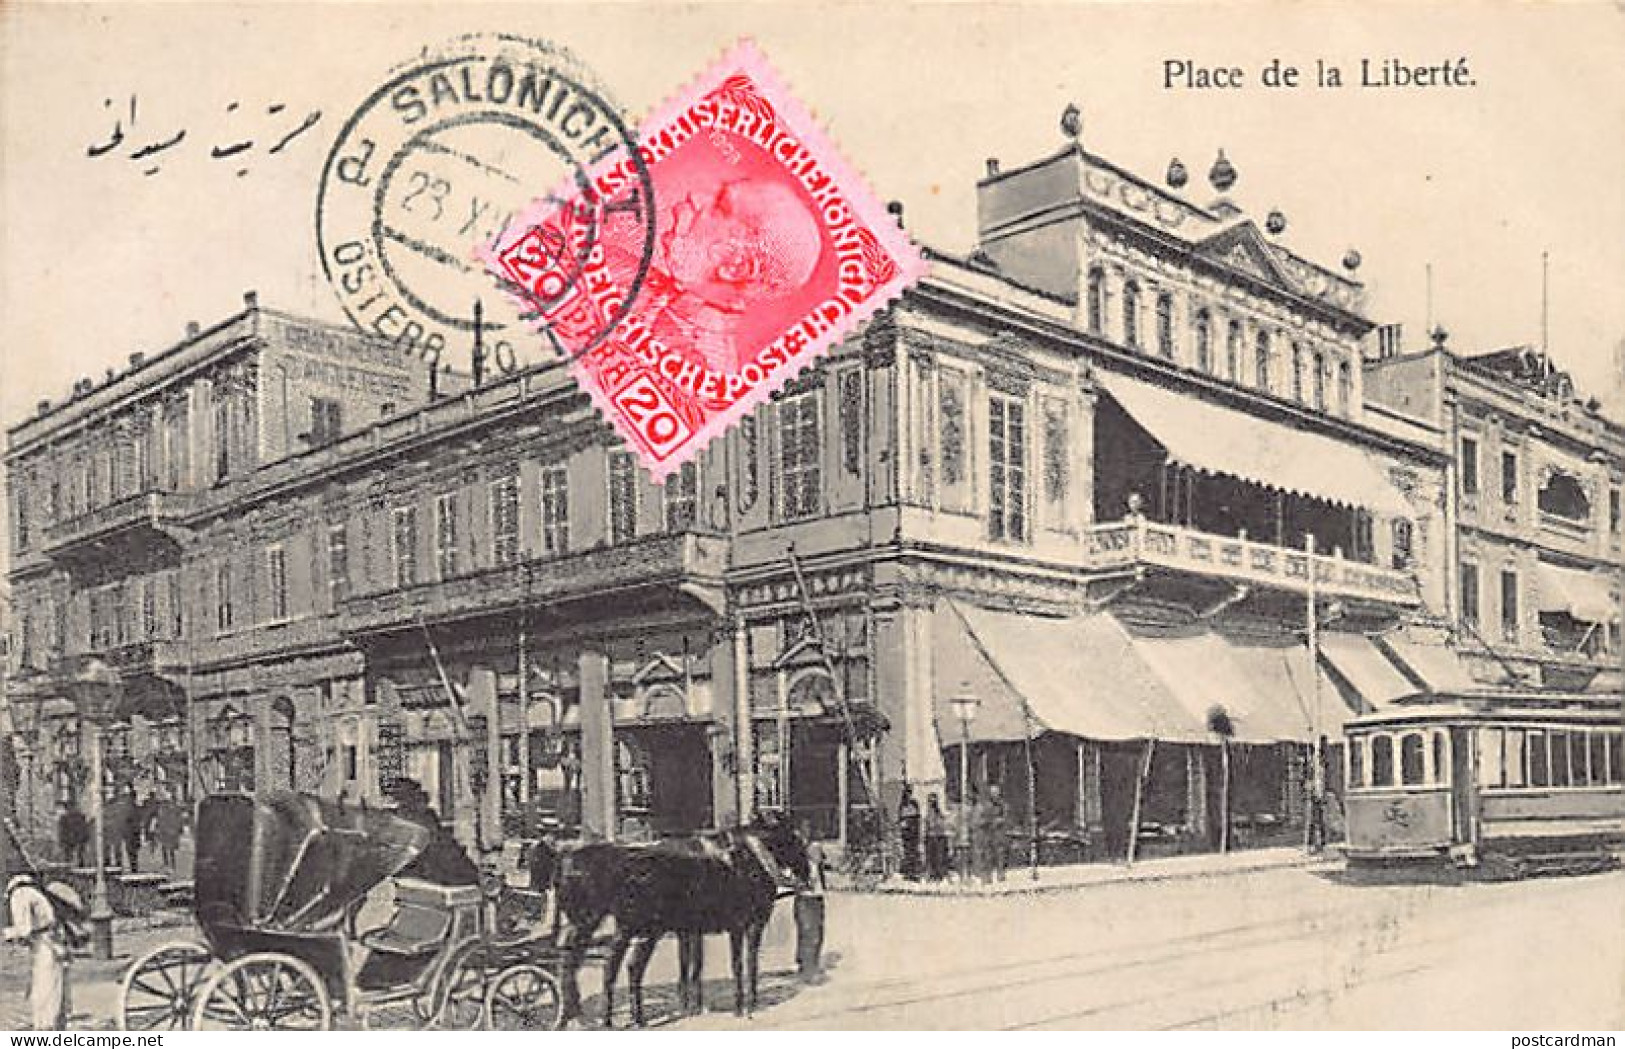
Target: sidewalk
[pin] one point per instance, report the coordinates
(1019, 880)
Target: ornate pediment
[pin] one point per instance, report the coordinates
(1243, 248)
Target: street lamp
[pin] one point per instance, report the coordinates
(964, 703)
(96, 690)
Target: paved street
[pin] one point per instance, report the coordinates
(1289, 948)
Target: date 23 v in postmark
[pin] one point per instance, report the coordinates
(768, 249)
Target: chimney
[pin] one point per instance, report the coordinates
(137, 359)
(192, 329)
(251, 300)
(43, 406)
(111, 375)
(992, 166)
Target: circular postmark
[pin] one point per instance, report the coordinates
(439, 160)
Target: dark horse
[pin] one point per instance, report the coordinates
(722, 882)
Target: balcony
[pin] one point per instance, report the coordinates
(634, 573)
(138, 524)
(1143, 543)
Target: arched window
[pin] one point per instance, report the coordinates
(1563, 494)
(1297, 373)
(1345, 388)
(1412, 763)
(1131, 314)
(1232, 352)
(1204, 340)
(1097, 300)
(1356, 754)
(1261, 360)
(1382, 761)
(1320, 380)
(1165, 325)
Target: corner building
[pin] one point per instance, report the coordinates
(1093, 477)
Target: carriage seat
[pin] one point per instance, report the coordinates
(424, 916)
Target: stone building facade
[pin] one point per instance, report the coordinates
(1095, 476)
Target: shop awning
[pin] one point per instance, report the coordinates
(1079, 675)
(1583, 595)
(1221, 440)
(1438, 667)
(1372, 674)
(1264, 690)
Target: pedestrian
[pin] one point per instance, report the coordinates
(997, 832)
(130, 828)
(810, 911)
(168, 821)
(117, 812)
(936, 839)
(72, 834)
(963, 850)
(908, 825)
(37, 921)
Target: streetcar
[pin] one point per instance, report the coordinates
(1502, 783)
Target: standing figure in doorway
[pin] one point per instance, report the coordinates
(936, 839)
(72, 834)
(908, 825)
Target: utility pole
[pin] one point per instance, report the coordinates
(1315, 822)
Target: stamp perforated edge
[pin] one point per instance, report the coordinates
(744, 56)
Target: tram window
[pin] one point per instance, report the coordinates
(1540, 771)
(1561, 776)
(1514, 764)
(1614, 767)
(1357, 762)
(1411, 762)
(1441, 764)
(1382, 761)
(1490, 745)
(1599, 758)
(1580, 759)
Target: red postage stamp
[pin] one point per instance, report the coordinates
(767, 248)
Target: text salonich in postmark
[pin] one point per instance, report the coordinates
(768, 248)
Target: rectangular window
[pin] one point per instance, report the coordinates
(445, 535)
(1509, 605)
(276, 580)
(505, 521)
(172, 589)
(222, 597)
(1469, 594)
(1579, 759)
(951, 429)
(1616, 760)
(1509, 477)
(1561, 772)
(1404, 543)
(404, 545)
(1469, 466)
(623, 497)
(222, 437)
(1057, 460)
(177, 442)
(1614, 510)
(799, 456)
(19, 498)
(1007, 468)
(338, 562)
(1320, 380)
(1516, 763)
(555, 510)
(326, 421)
(682, 493)
(750, 481)
(851, 397)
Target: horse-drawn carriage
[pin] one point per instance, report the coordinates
(280, 881)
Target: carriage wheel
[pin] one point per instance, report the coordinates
(159, 989)
(524, 998)
(463, 1005)
(264, 992)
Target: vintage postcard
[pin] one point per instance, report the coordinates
(797, 516)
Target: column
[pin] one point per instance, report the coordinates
(482, 699)
(721, 734)
(598, 817)
(1196, 789)
(744, 738)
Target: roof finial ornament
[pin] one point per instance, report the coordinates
(1275, 222)
(1072, 122)
(1223, 174)
(1439, 336)
(1351, 260)
(1177, 175)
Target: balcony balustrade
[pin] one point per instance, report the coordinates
(151, 514)
(671, 560)
(1132, 543)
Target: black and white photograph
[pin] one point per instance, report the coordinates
(953, 516)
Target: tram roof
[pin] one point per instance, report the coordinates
(1497, 704)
